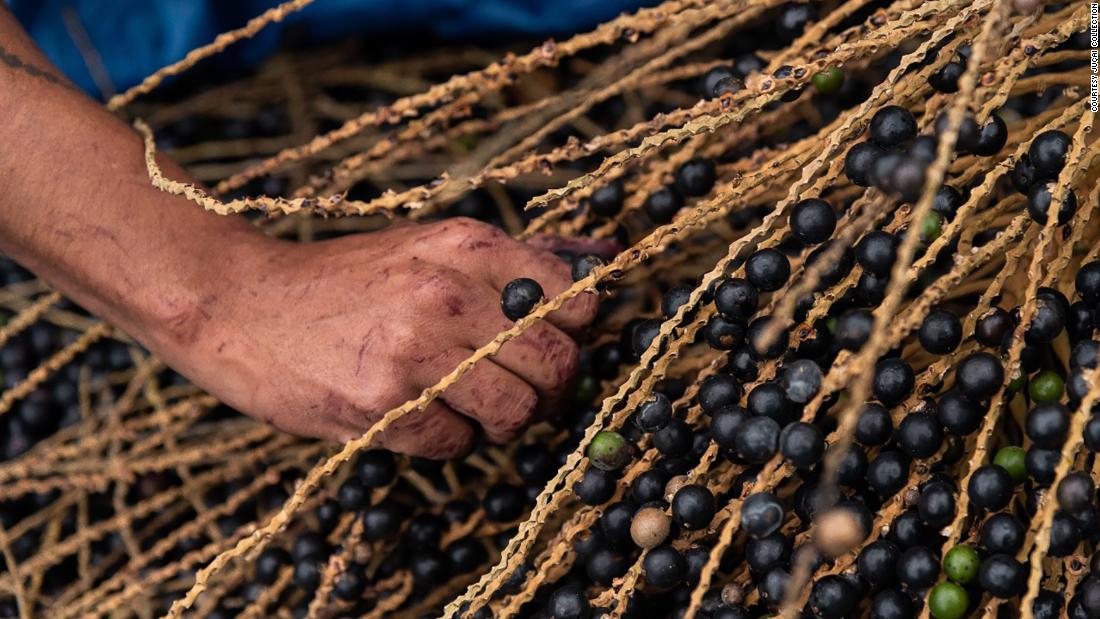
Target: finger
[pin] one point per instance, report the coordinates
(497, 399)
(604, 248)
(437, 432)
(467, 314)
(489, 252)
(577, 313)
(543, 355)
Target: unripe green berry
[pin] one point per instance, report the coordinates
(1012, 459)
(931, 227)
(1046, 386)
(948, 601)
(961, 563)
(587, 388)
(609, 451)
(828, 81)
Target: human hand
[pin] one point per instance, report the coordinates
(322, 339)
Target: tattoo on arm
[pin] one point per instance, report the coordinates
(12, 60)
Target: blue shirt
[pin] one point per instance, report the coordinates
(136, 37)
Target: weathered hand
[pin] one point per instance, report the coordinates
(322, 339)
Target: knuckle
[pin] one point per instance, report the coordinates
(470, 234)
(447, 286)
(460, 227)
(402, 335)
(462, 223)
(431, 290)
(377, 401)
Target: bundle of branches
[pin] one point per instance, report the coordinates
(844, 364)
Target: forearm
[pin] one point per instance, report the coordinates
(77, 207)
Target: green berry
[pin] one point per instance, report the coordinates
(931, 227)
(830, 324)
(828, 81)
(961, 563)
(1011, 459)
(948, 601)
(609, 451)
(587, 388)
(1046, 386)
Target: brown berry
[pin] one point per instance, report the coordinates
(837, 531)
(650, 527)
(673, 486)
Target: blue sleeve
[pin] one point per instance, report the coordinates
(136, 37)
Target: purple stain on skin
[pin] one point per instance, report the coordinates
(477, 244)
(455, 307)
